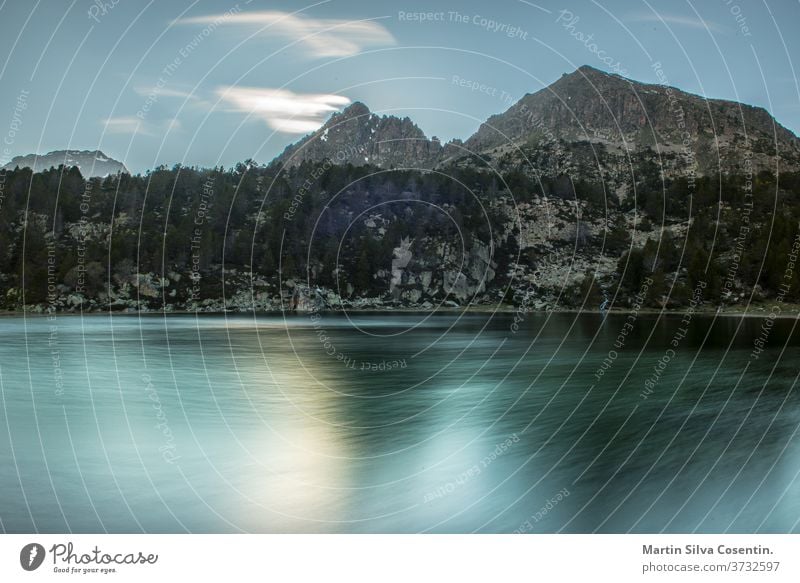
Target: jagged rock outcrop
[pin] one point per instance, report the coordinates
(402, 256)
(438, 270)
(358, 136)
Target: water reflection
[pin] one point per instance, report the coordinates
(287, 424)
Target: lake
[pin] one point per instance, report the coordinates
(399, 422)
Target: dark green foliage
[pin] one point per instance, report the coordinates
(309, 222)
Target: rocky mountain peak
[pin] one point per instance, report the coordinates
(358, 136)
(592, 106)
(355, 109)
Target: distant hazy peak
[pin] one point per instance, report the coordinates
(90, 162)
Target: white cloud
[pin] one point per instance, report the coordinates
(283, 110)
(320, 37)
(134, 125)
(676, 20)
(156, 91)
(125, 125)
(172, 125)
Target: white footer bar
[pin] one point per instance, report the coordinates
(401, 558)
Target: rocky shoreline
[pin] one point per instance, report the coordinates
(789, 311)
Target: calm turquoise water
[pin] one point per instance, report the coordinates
(397, 423)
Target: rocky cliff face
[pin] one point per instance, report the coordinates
(91, 163)
(439, 272)
(358, 136)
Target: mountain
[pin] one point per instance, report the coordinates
(358, 136)
(535, 210)
(625, 116)
(586, 124)
(91, 163)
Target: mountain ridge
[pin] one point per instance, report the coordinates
(618, 96)
(91, 163)
(618, 114)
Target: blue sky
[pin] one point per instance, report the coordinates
(215, 82)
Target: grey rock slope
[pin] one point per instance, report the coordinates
(626, 116)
